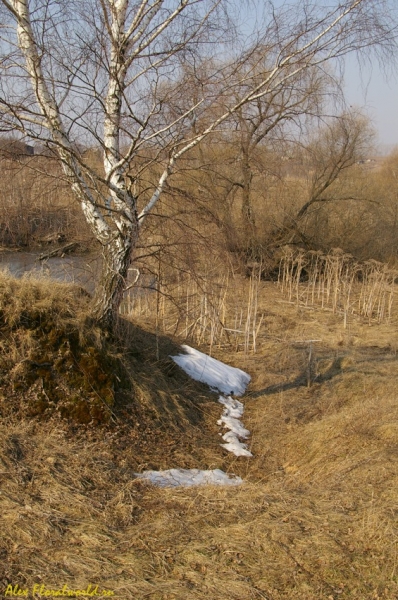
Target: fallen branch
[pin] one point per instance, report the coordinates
(59, 251)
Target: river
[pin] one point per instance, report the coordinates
(80, 269)
(73, 269)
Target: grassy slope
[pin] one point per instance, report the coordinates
(316, 518)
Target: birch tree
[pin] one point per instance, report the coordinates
(96, 72)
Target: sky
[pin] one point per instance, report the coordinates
(375, 90)
(377, 93)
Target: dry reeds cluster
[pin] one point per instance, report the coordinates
(209, 309)
(215, 307)
(338, 282)
(37, 204)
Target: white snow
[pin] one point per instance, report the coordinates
(215, 373)
(189, 477)
(227, 380)
(230, 419)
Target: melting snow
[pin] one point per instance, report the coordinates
(230, 419)
(215, 373)
(189, 477)
(230, 381)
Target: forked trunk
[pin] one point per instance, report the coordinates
(110, 287)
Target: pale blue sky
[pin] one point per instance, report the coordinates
(377, 93)
(375, 90)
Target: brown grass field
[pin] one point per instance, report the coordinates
(316, 517)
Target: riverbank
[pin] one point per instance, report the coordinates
(79, 268)
(315, 518)
(56, 363)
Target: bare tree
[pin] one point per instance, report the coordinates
(97, 72)
(221, 178)
(339, 145)
(281, 114)
(322, 165)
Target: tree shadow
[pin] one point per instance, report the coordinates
(156, 389)
(305, 379)
(310, 376)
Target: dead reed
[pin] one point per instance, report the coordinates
(217, 308)
(336, 281)
(36, 204)
(207, 308)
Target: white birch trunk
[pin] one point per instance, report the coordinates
(117, 244)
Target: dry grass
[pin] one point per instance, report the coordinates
(315, 519)
(340, 283)
(204, 308)
(52, 358)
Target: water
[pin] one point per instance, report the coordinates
(82, 270)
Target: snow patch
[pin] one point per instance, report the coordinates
(228, 380)
(231, 420)
(188, 477)
(215, 373)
